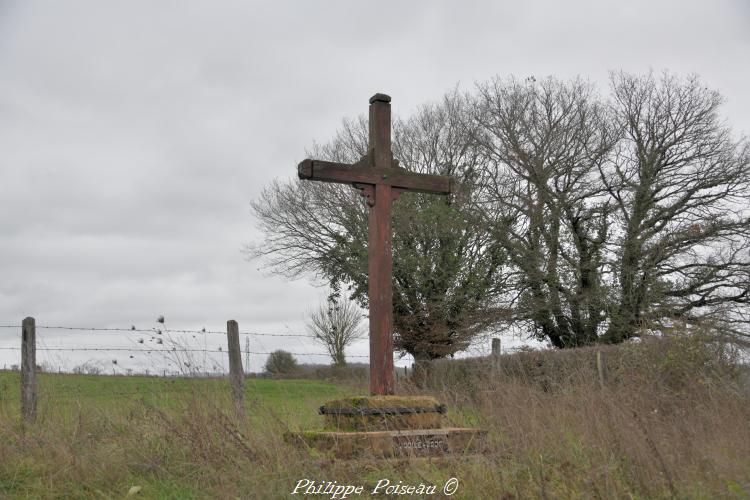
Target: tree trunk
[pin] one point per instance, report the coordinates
(422, 372)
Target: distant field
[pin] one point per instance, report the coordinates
(61, 394)
(668, 420)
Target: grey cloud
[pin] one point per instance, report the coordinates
(133, 134)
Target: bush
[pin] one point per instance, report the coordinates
(673, 363)
(88, 368)
(351, 373)
(281, 363)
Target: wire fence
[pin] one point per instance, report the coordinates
(160, 331)
(158, 353)
(168, 358)
(159, 362)
(162, 334)
(166, 342)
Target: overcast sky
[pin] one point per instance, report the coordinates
(134, 134)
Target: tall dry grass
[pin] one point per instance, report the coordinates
(671, 421)
(670, 418)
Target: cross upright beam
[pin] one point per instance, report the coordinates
(382, 181)
(379, 254)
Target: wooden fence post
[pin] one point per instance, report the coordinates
(496, 346)
(496, 355)
(600, 368)
(236, 374)
(28, 369)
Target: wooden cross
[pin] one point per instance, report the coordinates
(381, 181)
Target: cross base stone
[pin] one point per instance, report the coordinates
(388, 426)
(386, 444)
(382, 413)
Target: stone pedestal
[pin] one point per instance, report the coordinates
(388, 426)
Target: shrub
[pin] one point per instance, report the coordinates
(281, 363)
(88, 368)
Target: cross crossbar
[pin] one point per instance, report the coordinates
(357, 173)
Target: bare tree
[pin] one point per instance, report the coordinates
(336, 324)
(680, 186)
(586, 219)
(541, 196)
(90, 367)
(447, 270)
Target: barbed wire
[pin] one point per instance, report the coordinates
(157, 330)
(166, 331)
(149, 351)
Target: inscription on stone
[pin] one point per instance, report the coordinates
(424, 443)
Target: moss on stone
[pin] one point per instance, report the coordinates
(383, 402)
(430, 420)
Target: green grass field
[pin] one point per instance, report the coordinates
(94, 427)
(672, 423)
(62, 395)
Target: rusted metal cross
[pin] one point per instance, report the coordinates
(381, 181)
